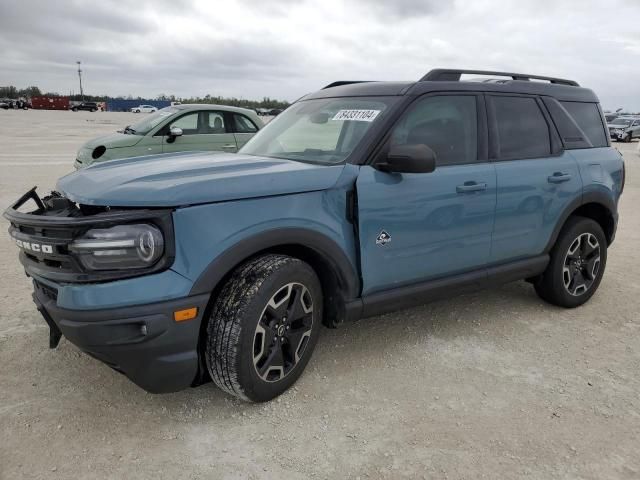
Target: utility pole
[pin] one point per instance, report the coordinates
(80, 78)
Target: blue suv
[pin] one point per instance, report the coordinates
(359, 199)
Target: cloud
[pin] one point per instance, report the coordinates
(286, 48)
(408, 9)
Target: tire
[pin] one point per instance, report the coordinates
(74, 109)
(248, 326)
(627, 139)
(137, 111)
(93, 110)
(576, 267)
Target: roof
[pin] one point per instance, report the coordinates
(211, 106)
(450, 80)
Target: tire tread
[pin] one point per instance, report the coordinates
(226, 321)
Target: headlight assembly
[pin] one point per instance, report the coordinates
(123, 247)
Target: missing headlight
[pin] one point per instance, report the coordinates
(98, 152)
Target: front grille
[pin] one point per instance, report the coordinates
(45, 234)
(45, 250)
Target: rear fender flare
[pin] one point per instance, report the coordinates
(602, 198)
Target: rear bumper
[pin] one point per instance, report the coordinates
(143, 342)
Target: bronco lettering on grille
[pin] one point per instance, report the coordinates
(34, 247)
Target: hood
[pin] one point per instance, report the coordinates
(172, 180)
(114, 140)
(618, 126)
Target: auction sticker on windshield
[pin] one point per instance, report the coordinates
(357, 115)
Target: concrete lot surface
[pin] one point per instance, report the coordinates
(495, 384)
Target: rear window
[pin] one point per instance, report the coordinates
(587, 116)
(522, 129)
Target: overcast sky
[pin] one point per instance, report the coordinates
(286, 48)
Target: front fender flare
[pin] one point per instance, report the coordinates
(330, 251)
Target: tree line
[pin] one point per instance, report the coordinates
(33, 91)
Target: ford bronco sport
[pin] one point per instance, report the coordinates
(361, 198)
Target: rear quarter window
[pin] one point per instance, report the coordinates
(588, 118)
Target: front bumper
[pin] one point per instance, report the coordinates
(143, 342)
(617, 135)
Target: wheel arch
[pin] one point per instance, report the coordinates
(597, 206)
(338, 276)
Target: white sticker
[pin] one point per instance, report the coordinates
(357, 115)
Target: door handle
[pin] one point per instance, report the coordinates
(559, 177)
(470, 187)
(229, 147)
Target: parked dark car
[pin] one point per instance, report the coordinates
(274, 112)
(87, 106)
(8, 103)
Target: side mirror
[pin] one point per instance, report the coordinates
(175, 132)
(416, 158)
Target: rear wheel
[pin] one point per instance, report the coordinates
(263, 327)
(576, 266)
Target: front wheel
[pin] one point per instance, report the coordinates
(627, 139)
(577, 264)
(263, 327)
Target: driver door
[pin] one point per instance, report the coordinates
(420, 226)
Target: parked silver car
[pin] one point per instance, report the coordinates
(624, 129)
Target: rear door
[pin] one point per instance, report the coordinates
(419, 226)
(205, 130)
(243, 128)
(537, 179)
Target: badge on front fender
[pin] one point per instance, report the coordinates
(383, 238)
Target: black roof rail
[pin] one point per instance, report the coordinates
(453, 75)
(345, 82)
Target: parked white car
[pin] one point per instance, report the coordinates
(144, 109)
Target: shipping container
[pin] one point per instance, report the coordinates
(50, 103)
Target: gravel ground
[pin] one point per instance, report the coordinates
(495, 384)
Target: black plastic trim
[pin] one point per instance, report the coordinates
(226, 261)
(142, 341)
(587, 197)
(420, 293)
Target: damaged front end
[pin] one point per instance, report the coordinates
(62, 242)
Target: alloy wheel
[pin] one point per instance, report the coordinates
(283, 332)
(581, 264)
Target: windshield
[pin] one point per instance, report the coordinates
(150, 121)
(621, 121)
(318, 131)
